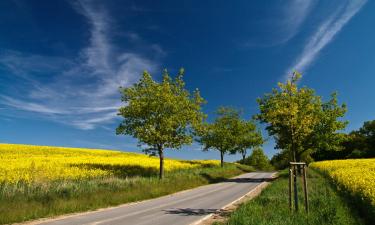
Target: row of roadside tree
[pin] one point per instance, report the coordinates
(165, 115)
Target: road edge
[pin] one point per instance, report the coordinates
(64, 216)
(209, 219)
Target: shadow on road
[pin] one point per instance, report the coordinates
(235, 180)
(249, 180)
(190, 212)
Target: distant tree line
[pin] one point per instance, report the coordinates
(165, 115)
(357, 144)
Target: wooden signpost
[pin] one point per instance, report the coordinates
(293, 168)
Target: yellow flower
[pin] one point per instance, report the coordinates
(26, 163)
(357, 176)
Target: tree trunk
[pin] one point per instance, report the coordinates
(243, 156)
(161, 167)
(299, 168)
(222, 158)
(295, 178)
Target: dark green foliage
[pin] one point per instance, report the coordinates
(357, 144)
(361, 143)
(258, 160)
(280, 160)
(327, 206)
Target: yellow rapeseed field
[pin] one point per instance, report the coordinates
(355, 175)
(28, 164)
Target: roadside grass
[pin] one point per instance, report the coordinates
(24, 202)
(327, 205)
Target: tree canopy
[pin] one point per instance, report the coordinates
(248, 137)
(160, 114)
(357, 144)
(222, 134)
(299, 120)
(258, 160)
(362, 141)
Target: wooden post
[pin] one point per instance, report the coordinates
(290, 187)
(294, 169)
(295, 188)
(305, 189)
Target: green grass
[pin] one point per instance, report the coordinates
(327, 205)
(26, 202)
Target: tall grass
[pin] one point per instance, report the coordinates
(23, 201)
(327, 205)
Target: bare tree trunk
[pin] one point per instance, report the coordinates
(295, 176)
(161, 167)
(222, 158)
(299, 168)
(295, 179)
(243, 156)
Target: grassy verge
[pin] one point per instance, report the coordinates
(327, 205)
(25, 202)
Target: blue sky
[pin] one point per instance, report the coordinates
(61, 62)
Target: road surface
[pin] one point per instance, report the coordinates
(182, 208)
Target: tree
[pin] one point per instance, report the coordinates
(298, 119)
(360, 143)
(258, 160)
(222, 133)
(367, 134)
(249, 137)
(280, 160)
(160, 115)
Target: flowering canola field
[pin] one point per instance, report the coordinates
(29, 164)
(357, 176)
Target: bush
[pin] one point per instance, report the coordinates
(258, 160)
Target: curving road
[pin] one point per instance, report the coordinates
(182, 208)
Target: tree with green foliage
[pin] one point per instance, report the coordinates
(160, 114)
(222, 134)
(357, 144)
(258, 160)
(249, 137)
(280, 160)
(298, 119)
(362, 141)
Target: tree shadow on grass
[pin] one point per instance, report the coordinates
(120, 171)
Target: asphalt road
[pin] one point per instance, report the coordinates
(182, 208)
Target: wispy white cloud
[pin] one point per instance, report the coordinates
(91, 123)
(81, 92)
(284, 23)
(25, 64)
(325, 33)
(29, 106)
(294, 14)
